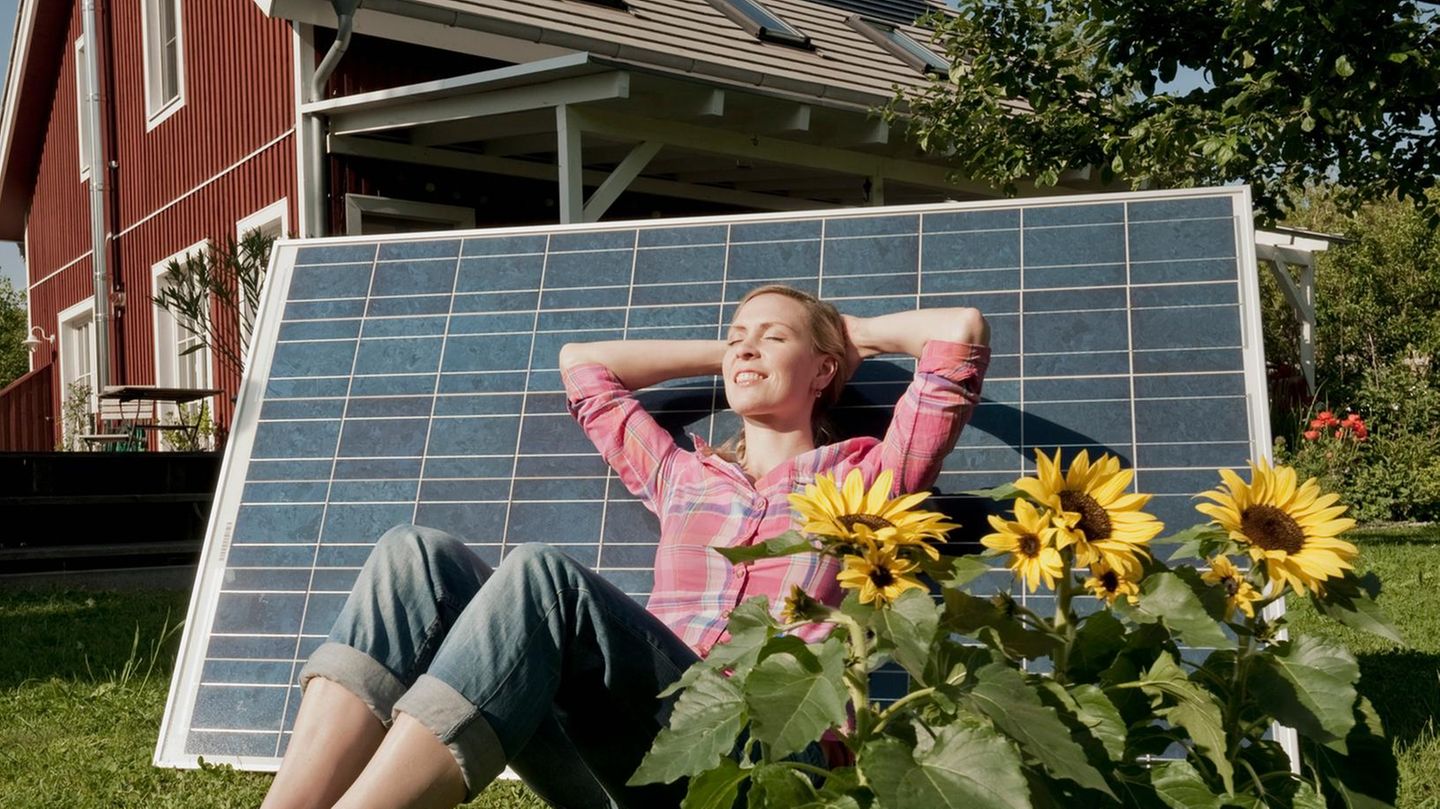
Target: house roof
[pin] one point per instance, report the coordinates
(680, 36)
(35, 54)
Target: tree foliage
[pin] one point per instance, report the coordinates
(231, 276)
(14, 358)
(1292, 93)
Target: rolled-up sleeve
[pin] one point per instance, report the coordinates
(929, 416)
(628, 438)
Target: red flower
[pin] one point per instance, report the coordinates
(1361, 433)
(1339, 433)
(1311, 435)
(1325, 415)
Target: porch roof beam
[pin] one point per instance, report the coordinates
(405, 114)
(548, 172)
(771, 149)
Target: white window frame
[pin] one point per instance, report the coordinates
(276, 213)
(71, 320)
(82, 109)
(452, 217)
(167, 334)
(159, 108)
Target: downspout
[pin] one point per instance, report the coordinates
(315, 164)
(112, 199)
(97, 199)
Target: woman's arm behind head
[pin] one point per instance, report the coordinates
(908, 332)
(642, 363)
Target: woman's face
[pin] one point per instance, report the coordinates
(771, 368)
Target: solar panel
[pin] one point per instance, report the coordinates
(413, 378)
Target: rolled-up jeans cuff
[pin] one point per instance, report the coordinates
(359, 673)
(460, 726)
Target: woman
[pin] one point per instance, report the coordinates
(548, 667)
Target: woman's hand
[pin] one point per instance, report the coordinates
(857, 346)
(907, 332)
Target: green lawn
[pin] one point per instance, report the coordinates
(81, 698)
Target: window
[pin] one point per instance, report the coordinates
(370, 215)
(77, 348)
(273, 221)
(82, 108)
(900, 45)
(164, 59)
(759, 21)
(181, 358)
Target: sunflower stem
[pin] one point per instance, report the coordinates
(857, 682)
(1237, 692)
(894, 709)
(1064, 621)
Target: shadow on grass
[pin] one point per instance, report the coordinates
(1404, 685)
(87, 636)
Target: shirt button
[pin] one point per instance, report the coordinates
(742, 573)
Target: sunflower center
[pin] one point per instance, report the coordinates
(870, 521)
(1272, 529)
(1232, 586)
(1110, 581)
(1093, 519)
(1030, 545)
(881, 576)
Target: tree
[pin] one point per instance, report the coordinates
(14, 357)
(1293, 93)
(231, 276)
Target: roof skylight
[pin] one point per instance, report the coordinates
(900, 45)
(761, 22)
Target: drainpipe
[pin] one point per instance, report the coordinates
(314, 124)
(112, 199)
(97, 199)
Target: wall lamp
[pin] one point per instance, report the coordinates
(37, 334)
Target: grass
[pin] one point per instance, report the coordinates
(83, 680)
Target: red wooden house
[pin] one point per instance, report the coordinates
(133, 133)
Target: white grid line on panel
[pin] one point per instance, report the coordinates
(315, 558)
(1130, 344)
(525, 397)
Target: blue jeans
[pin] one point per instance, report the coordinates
(541, 664)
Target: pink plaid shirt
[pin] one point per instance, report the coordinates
(704, 501)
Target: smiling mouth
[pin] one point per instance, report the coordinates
(748, 377)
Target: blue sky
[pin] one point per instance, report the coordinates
(10, 264)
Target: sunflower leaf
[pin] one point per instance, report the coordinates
(1005, 491)
(1309, 685)
(776, 786)
(1193, 709)
(716, 788)
(1166, 598)
(969, 615)
(908, 628)
(968, 767)
(703, 727)
(1351, 601)
(1003, 695)
(1180, 786)
(751, 628)
(1365, 778)
(1196, 542)
(786, 544)
(965, 569)
(795, 696)
(1101, 717)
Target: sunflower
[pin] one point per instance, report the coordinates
(1110, 583)
(1291, 529)
(1030, 541)
(1092, 510)
(1239, 593)
(830, 510)
(878, 574)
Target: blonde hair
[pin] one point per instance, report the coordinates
(827, 336)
